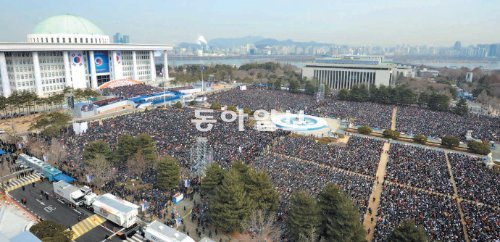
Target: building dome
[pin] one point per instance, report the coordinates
(67, 24)
(67, 29)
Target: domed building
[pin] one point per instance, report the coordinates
(71, 51)
(69, 29)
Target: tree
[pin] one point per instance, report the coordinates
(215, 106)
(339, 216)
(57, 153)
(125, 148)
(261, 227)
(421, 139)
(344, 94)
(407, 231)
(293, 86)
(147, 146)
(261, 192)
(310, 88)
(450, 141)
(277, 84)
(178, 105)
(98, 147)
(482, 148)
(213, 178)
(391, 134)
(51, 231)
(3, 103)
(303, 217)
(364, 130)
(100, 168)
(169, 173)
(229, 208)
(137, 164)
(423, 99)
(50, 124)
(461, 108)
(438, 102)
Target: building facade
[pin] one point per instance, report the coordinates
(344, 72)
(70, 51)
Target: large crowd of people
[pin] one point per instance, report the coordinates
(419, 167)
(359, 113)
(474, 180)
(302, 163)
(130, 91)
(365, 113)
(415, 120)
(360, 155)
(437, 214)
(290, 175)
(260, 98)
(483, 222)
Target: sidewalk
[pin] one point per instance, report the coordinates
(370, 219)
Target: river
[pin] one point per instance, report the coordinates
(451, 63)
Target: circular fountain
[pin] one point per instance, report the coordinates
(298, 122)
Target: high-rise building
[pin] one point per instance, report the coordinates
(117, 38)
(125, 39)
(457, 45)
(121, 39)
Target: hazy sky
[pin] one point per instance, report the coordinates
(374, 22)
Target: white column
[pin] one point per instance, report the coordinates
(153, 66)
(117, 66)
(165, 66)
(67, 71)
(5, 76)
(134, 66)
(38, 74)
(93, 75)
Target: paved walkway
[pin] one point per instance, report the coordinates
(370, 219)
(457, 198)
(393, 119)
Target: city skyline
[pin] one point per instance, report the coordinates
(388, 23)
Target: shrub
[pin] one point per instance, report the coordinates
(391, 134)
(481, 148)
(215, 106)
(178, 105)
(421, 139)
(450, 141)
(364, 130)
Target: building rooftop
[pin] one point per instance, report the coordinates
(166, 233)
(67, 24)
(114, 203)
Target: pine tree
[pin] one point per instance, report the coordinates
(339, 217)
(229, 208)
(461, 108)
(147, 146)
(213, 178)
(407, 231)
(126, 147)
(95, 148)
(168, 173)
(302, 217)
(261, 191)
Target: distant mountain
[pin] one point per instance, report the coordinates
(258, 41)
(188, 45)
(275, 42)
(233, 42)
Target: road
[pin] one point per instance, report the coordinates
(55, 210)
